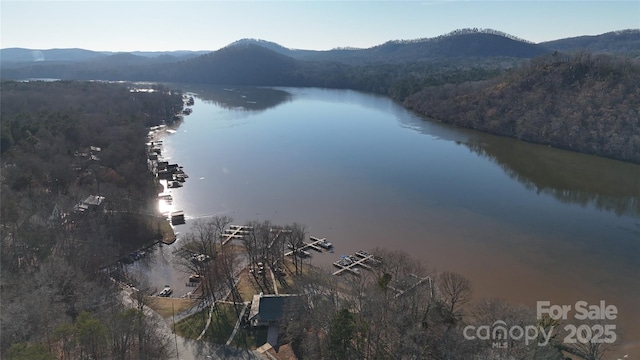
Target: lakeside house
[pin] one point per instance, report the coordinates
(91, 202)
(89, 152)
(272, 310)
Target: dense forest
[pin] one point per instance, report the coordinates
(615, 42)
(582, 102)
(75, 195)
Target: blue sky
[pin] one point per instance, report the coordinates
(320, 25)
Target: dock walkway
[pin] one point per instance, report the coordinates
(351, 265)
(420, 280)
(278, 231)
(235, 232)
(312, 245)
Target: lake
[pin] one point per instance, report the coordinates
(524, 222)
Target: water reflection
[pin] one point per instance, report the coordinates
(571, 177)
(567, 176)
(237, 97)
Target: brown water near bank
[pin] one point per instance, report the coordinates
(522, 273)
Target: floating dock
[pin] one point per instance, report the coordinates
(346, 264)
(323, 243)
(314, 244)
(351, 263)
(278, 231)
(235, 232)
(368, 257)
(418, 281)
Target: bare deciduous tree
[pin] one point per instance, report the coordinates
(200, 245)
(294, 242)
(455, 291)
(583, 346)
(227, 269)
(494, 312)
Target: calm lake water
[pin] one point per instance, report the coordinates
(523, 222)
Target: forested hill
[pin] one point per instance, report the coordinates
(246, 64)
(463, 43)
(579, 103)
(583, 102)
(619, 42)
(467, 44)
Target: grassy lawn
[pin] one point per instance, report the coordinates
(167, 306)
(162, 224)
(219, 330)
(168, 235)
(247, 286)
(222, 324)
(233, 248)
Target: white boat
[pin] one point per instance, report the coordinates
(166, 291)
(325, 244)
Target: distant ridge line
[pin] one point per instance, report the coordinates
(464, 31)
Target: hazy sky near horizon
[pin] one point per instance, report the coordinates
(153, 25)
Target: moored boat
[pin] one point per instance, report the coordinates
(369, 258)
(325, 244)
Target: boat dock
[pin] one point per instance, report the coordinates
(323, 243)
(177, 217)
(278, 231)
(352, 263)
(367, 257)
(314, 244)
(235, 232)
(170, 176)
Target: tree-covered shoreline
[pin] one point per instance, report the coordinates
(580, 102)
(76, 194)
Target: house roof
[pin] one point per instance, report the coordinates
(268, 307)
(94, 200)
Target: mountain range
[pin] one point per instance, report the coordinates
(21, 55)
(463, 43)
